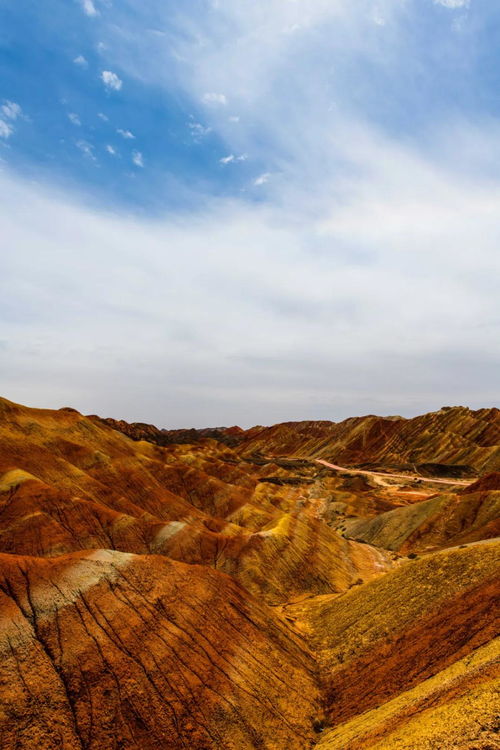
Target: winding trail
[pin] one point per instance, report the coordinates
(408, 477)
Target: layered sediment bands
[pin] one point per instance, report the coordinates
(104, 650)
(484, 484)
(445, 520)
(292, 555)
(454, 436)
(389, 635)
(457, 708)
(72, 483)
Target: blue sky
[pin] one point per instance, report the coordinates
(219, 212)
(440, 62)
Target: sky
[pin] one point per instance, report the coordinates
(225, 212)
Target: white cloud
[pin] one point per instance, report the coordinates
(453, 3)
(81, 61)
(125, 134)
(212, 98)
(111, 150)
(89, 8)
(73, 118)
(232, 158)
(198, 131)
(111, 80)
(233, 118)
(378, 18)
(103, 117)
(11, 110)
(86, 148)
(6, 130)
(262, 179)
(137, 159)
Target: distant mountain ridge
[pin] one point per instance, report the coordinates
(143, 431)
(455, 439)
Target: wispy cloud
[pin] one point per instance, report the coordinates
(231, 158)
(87, 149)
(212, 98)
(453, 3)
(11, 110)
(262, 179)
(74, 118)
(6, 130)
(199, 131)
(103, 117)
(138, 159)
(81, 61)
(127, 134)
(111, 150)
(89, 8)
(111, 80)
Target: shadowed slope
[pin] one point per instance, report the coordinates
(445, 520)
(453, 709)
(392, 633)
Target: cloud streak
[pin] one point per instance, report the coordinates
(6, 130)
(138, 159)
(10, 111)
(125, 134)
(212, 98)
(453, 4)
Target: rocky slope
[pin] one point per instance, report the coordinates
(453, 441)
(456, 708)
(226, 594)
(107, 649)
(444, 520)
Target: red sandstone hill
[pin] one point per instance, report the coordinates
(106, 649)
(159, 593)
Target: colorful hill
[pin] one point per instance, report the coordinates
(232, 592)
(453, 441)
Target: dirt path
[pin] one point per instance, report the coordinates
(408, 477)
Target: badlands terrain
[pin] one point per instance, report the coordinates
(307, 584)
